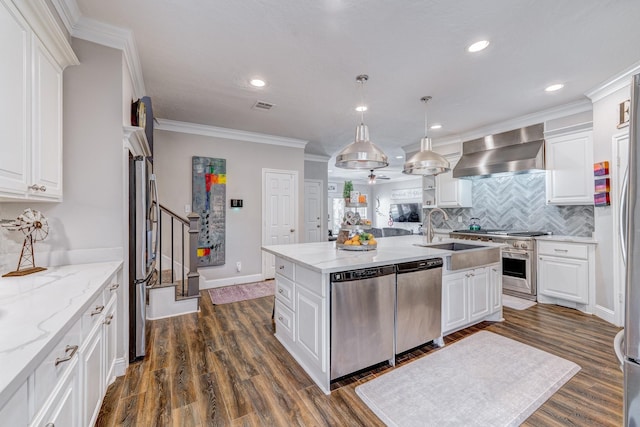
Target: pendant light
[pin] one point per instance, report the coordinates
(425, 161)
(362, 153)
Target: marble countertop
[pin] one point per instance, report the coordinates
(325, 258)
(570, 239)
(37, 310)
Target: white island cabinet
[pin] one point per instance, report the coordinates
(58, 350)
(303, 289)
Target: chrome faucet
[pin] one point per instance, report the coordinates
(430, 226)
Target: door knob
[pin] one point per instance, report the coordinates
(292, 230)
(317, 226)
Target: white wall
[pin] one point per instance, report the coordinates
(317, 170)
(605, 120)
(245, 161)
(87, 225)
(383, 193)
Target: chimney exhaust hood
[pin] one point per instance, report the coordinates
(512, 152)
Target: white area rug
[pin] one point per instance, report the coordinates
(516, 303)
(482, 380)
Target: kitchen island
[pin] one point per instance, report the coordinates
(303, 291)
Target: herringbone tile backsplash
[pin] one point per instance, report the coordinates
(517, 202)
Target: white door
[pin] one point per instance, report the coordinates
(312, 210)
(279, 213)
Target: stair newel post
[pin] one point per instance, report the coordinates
(193, 277)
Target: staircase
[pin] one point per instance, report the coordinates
(178, 290)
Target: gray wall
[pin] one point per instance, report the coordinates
(317, 170)
(517, 202)
(87, 226)
(245, 161)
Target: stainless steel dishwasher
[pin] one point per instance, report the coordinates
(419, 303)
(362, 319)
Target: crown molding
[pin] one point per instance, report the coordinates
(107, 35)
(316, 158)
(226, 133)
(136, 140)
(614, 84)
(515, 123)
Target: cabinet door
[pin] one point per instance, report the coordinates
(110, 329)
(92, 354)
(16, 411)
(569, 161)
(309, 325)
(455, 311)
(564, 278)
(64, 407)
(479, 293)
(14, 115)
(495, 280)
(46, 131)
(452, 192)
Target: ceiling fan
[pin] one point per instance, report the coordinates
(373, 178)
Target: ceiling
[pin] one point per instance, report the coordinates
(197, 57)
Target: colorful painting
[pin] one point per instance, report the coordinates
(208, 199)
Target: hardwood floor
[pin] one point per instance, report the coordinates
(223, 367)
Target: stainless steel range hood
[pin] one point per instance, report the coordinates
(512, 152)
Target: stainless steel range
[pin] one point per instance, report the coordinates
(518, 258)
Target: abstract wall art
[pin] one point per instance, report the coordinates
(208, 200)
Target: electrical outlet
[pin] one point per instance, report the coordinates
(238, 266)
(460, 218)
(187, 208)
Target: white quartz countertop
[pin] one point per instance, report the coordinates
(570, 239)
(36, 311)
(325, 258)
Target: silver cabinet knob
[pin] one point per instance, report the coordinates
(280, 290)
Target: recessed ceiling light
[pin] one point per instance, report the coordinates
(361, 108)
(436, 126)
(478, 46)
(555, 87)
(399, 157)
(257, 83)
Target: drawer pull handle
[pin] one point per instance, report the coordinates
(98, 310)
(279, 290)
(281, 267)
(73, 349)
(114, 286)
(36, 187)
(108, 319)
(561, 250)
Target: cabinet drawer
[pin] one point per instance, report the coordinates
(284, 291)
(284, 321)
(285, 268)
(56, 364)
(92, 315)
(569, 250)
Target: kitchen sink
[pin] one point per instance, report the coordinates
(454, 246)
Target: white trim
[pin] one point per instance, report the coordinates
(580, 127)
(226, 133)
(605, 314)
(120, 367)
(316, 158)
(228, 281)
(614, 84)
(515, 123)
(68, 11)
(136, 141)
(43, 23)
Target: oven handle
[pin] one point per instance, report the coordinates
(515, 254)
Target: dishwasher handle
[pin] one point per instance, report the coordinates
(425, 264)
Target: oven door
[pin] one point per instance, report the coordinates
(518, 275)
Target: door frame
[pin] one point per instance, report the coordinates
(323, 223)
(265, 207)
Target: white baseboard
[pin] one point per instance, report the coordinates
(228, 281)
(605, 314)
(120, 367)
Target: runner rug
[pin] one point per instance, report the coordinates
(482, 380)
(244, 292)
(516, 303)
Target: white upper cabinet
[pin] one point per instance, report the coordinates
(453, 192)
(569, 163)
(35, 52)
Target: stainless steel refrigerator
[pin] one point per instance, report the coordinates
(143, 248)
(630, 237)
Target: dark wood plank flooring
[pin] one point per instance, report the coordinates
(223, 367)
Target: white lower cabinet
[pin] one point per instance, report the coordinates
(91, 357)
(566, 274)
(63, 407)
(309, 324)
(16, 411)
(110, 332)
(470, 296)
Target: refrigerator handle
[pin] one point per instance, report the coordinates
(618, 342)
(623, 216)
(154, 215)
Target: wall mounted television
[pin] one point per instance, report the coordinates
(406, 212)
